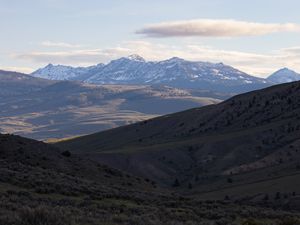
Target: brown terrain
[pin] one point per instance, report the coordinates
(43, 109)
(247, 146)
(232, 163)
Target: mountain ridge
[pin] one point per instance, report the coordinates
(175, 72)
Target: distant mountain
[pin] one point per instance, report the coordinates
(283, 76)
(61, 72)
(175, 72)
(245, 146)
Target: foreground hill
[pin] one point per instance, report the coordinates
(246, 146)
(41, 185)
(43, 109)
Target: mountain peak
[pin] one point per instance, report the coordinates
(285, 69)
(49, 65)
(136, 57)
(284, 75)
(175, 59)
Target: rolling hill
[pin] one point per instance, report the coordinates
(40, 184)
(13, 83)
(247, 146)
(43, 109)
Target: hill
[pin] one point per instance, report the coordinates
(14, 83)
(43, 109)
(40, 184)
(245, 146)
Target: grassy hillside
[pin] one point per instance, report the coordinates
(252, 138)
(41, 185)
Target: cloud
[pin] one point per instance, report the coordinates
(72, 57)
(215, 28)
(18, 69)
(59, 44)
(252, 63)
(292, 50)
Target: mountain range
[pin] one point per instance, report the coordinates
(174, 72)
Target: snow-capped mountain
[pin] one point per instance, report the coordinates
(124, 70)
(283, 76)
(61, 72)
(174, 72)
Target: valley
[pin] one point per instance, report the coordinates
(62, 109)
(75, 101)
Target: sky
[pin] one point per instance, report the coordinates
(257, 36)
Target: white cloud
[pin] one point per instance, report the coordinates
(17, 69)
(73, 57)
(62, 57)
(215, 28)
(253, 63)
(60, 44)
(292, 50)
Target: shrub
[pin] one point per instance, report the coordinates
(42, 216)
(289, 221)
(250, 222)
(66, 153)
